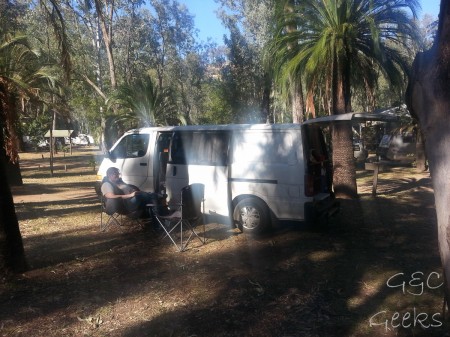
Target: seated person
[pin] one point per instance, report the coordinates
(113, 187)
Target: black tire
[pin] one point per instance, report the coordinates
(252, 216)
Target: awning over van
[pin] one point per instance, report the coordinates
(59, 133)
(387, 115)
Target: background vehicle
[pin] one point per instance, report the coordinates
(359, 151)
(400, 145)
(253, 174)
(81, 139)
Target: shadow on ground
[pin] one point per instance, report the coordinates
(296, 282)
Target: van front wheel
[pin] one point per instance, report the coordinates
(251, 215)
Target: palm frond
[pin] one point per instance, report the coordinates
(142, 103)
(365, 35)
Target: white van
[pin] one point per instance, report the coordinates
(253, 174)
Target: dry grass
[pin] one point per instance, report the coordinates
(295, 282)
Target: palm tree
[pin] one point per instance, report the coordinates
(21, 76)
(14, 54)
(340, 45)
(142, 104)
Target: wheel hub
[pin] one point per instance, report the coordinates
(250, 217)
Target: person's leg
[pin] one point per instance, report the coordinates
(140, 200)
(136, 206)
(132, 204)
(146, 198)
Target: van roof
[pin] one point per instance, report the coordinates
(386, 115)
(390, 114)
(223, 127)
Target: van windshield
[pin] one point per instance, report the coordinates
(131, 146)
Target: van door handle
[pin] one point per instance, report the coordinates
(174, 171)
(143, 164)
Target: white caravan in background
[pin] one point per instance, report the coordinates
(253, 174)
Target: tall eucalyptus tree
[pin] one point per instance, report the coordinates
(94, 27)
(247, 83)
(174, 57)
(340, 45)
(428, 98)
(172, 28)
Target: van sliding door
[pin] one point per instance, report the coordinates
(200, 156)
(161, 157)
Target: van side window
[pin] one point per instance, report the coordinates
(200, 148)
(131, 146)
(219, 148)
(265, 147)
(177, 149)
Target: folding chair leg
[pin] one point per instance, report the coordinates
(193, 234)
(169, 231)
(183, 225)
(112, 220)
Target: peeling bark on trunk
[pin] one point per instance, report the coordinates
(428, 98)
(107, 39)
(344, 170)
(421, 158)
(297, 102)
(344, 173)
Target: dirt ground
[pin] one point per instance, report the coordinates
(374, 271)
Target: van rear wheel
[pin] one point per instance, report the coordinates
(252, 216)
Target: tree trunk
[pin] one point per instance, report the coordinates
(310, 108)
(51, 146)
(265, 102)
(428, 98)
(297, 101)
(296, 88)
(344, 169)
(421, 158)
(13, 174)
(107, 39)
(12, 256)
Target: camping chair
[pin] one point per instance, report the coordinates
(114, 209)
(185, 218)
(117, 213)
